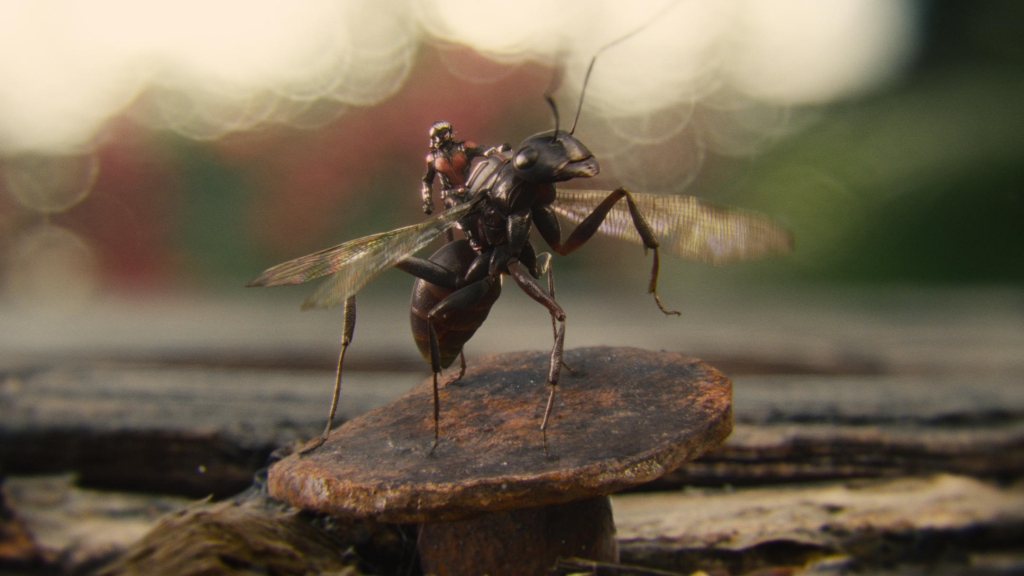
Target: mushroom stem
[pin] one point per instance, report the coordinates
(520, 542)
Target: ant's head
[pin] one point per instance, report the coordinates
(440, 134)
(553, 156)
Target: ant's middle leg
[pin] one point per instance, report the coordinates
(547, 224)
(532, 289)
(539, 265)
(545, 269)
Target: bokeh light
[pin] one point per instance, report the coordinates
(48, 184)
(50, 270)
(208, 69)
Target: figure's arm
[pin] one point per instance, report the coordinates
(472, 150)
(426, 190)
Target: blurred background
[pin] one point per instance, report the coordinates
(154, 159)
(156, 156)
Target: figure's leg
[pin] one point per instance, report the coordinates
(547, 223)
(532, 289)
(460, 299)
(346, 339)
(448, 202)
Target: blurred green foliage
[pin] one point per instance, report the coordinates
(923, 182)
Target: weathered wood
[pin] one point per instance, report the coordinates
(199, 431)
(804, 428)
(939, 390)
(18, 550)
(915, 523)
(72, 528)
(257, 406)
(824, 514)
(937, 520)
(175, 430)
(780, 453)
(627, 416)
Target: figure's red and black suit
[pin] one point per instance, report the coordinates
(449, 160)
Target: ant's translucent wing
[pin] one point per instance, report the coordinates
(686, 226)
(356, 262)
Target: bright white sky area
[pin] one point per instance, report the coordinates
(68, 66)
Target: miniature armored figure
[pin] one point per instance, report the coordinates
(449, 159)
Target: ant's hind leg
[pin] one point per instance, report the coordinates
(460, 299)
(462, 369)
(346, 339)
(430, 271)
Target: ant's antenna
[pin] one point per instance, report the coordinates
(590, 68)
(556, 83)
(554, 110)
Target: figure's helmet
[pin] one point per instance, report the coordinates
(440, 133)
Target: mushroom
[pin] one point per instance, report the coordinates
(490, 498)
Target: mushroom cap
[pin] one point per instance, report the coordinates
(626, 416)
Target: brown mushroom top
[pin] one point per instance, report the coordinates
(625, 417)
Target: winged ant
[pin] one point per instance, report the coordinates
(507, 193)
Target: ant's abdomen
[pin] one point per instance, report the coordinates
(455, 327)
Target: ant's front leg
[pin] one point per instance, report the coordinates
(346, 339)
(547, 224)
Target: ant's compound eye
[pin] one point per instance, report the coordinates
(525, 158)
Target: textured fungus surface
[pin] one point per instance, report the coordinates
(625, 417)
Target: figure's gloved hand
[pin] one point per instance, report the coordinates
(428, 200)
